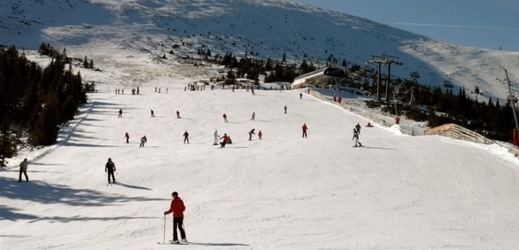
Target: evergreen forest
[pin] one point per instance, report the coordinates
(36, 101)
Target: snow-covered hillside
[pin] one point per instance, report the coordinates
(281, 192)
(266, 28)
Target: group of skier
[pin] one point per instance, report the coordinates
(177, 206)
(144, 140)
(356, 133)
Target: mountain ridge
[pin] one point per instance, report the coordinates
(260, 28)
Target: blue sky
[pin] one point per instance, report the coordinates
(477, 23)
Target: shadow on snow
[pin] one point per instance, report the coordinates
(41, 192)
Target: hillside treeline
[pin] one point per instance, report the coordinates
(434, 105)
(35, 101)
(274, 70)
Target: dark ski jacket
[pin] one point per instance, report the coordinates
(110, 166)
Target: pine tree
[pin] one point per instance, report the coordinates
(268, 64)
(85, 63)
(7, 145)
(45, 130)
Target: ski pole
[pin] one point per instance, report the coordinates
(164, 236)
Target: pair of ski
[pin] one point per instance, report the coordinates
(171, 243)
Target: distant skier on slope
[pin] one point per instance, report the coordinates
(144, 140)
(356, 138)
(216, 136)
(110, 169)
(225, 140)
(23, 170)
(305, 128)
(186, 137)
(250, 134)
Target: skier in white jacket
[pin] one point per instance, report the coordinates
(216, 137)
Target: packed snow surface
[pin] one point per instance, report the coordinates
(281, 192)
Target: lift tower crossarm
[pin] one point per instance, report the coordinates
(384, 60)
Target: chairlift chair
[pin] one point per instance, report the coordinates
(447, 84)
(401, 92)
(415, 75)
(512, 98)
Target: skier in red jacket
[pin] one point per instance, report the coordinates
(177, 209)
(305, 128)
(225, 140)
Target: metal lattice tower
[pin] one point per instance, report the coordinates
(384, 60)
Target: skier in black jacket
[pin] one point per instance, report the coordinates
(186, 137)
(250, 134)
(110, 169)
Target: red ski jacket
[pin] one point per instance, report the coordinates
(177, 207)
(225, 138)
